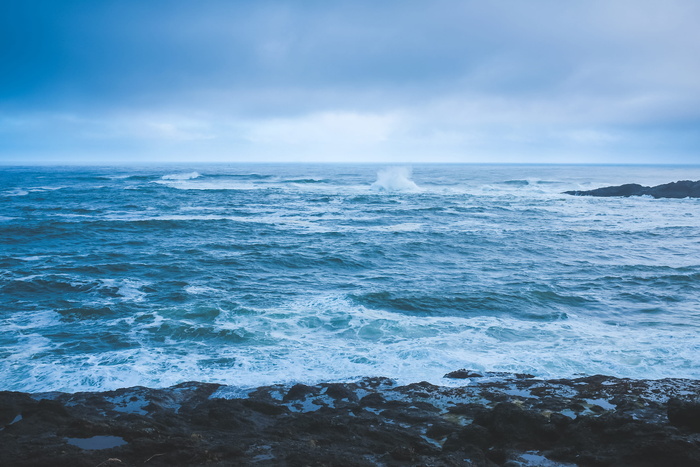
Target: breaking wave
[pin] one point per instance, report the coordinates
(394, 179)
(182, 176)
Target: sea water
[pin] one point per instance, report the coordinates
(258, 274)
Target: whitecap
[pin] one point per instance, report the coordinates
(128, 289)
(16, 192)
(181, 176)
(199, 289)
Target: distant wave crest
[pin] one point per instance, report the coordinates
(182, 176)
(394, 179)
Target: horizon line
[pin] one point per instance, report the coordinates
(161, 164)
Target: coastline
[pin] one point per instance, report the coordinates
(493, 419)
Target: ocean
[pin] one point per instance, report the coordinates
(250, 275)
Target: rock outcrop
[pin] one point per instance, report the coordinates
(680, 189)
(494, 419)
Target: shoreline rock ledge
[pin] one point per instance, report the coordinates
(680, 189)
(493, 419)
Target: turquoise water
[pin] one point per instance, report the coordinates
(257, 274)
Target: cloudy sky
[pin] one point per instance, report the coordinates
(127, 81)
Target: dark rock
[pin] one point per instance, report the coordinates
(497, 455)
(408, 415)
(263, 407)
(299, 392)
(630, 189)
(440, 430)
(340, 391)
(403, 453)
(464, 409)
(486, 423)
(508, 421)
(684, 414)
(477, 435)
(374, 399)
(560, 421)
(680, 189)
(462, 374)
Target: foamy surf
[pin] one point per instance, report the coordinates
(334, 339)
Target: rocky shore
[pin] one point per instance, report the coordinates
(492, 419)
(680, 189)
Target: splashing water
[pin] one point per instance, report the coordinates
(394, 179)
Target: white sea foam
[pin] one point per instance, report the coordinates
(199, 289)
(26, 191)
(128, 289)
(48, 188)
(22, 321)
(15, 192)
(331, 338)
(182, 176)
(394, 179)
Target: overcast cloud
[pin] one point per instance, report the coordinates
(397, 81)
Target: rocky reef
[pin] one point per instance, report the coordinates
(680, 189)
(492, 419)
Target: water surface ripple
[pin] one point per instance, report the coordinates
(256, 274)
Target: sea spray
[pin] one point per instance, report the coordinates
(393, 179)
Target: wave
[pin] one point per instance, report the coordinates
(54, 288)
(139, 177)
(530, 182)
(305, 180)
(393, 179)
(542, 305)
(16, 192)
(244, 176)
(181, 176)
(322, 338)
(516, 182)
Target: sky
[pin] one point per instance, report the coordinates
(512, 81)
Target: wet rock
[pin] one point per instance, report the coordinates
(463, 374)
(374, 399)
(440, 430)
(509, 422)
(265, 407)
(340, 391)
(560, 421)
(490, 422)
(684, 414)
(299, 391)
(476, 435)
(680, 189)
